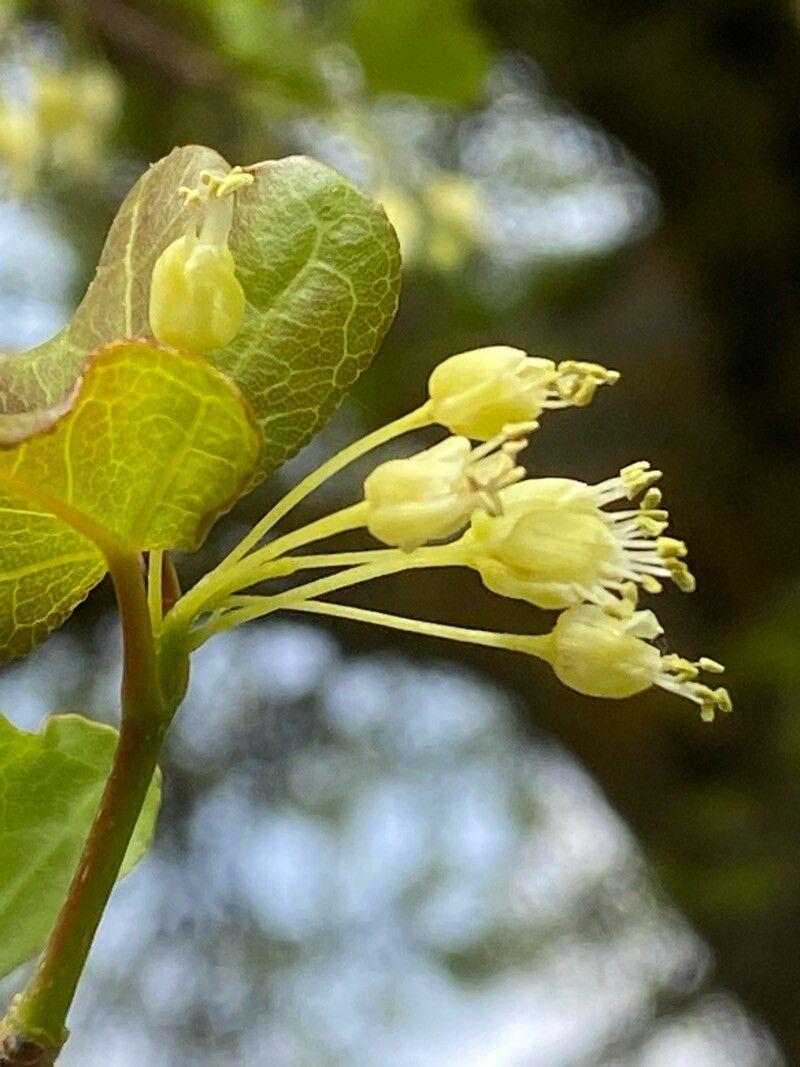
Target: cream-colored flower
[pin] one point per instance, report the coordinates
(196, 300)
(431, 496)
(57, 101)
(65, 99)
(556, 545)
(441, 222)
(476, 393)
(608, 655)
(100, 94)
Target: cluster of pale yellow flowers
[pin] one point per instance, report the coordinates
(60, 123)
(559, 544)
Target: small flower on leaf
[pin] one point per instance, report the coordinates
(196, 300)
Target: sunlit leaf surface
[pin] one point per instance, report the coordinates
(157, 445)
(38, 386)
(319, 263)
(50, 786)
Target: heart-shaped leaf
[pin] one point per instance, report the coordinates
(320, 266)
(156, 446)
(50, 787)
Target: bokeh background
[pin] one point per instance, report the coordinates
(385, 852)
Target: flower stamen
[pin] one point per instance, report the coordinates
(574, 383)
(492, 466)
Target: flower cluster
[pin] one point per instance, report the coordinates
(587, 551)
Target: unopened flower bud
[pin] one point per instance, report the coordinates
(196, 300)
(431, 496)
(476, 393)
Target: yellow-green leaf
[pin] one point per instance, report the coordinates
(50, 787)
(320, 266)
(156, 446)
(434, 50)
(40, 385)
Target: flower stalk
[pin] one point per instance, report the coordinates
(557, 543)
(414, 420)
(530, 644)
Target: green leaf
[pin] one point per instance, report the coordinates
(153, 445)
(320, 266)
(157, 445)
(50, 788)
(318, 261)
(38, 386)
(426, 49)
(278, 47)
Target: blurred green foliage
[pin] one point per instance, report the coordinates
(435, 51)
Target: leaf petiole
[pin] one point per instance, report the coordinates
(155, 596)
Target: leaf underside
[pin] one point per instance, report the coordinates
(157, 445)
(50, 787)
